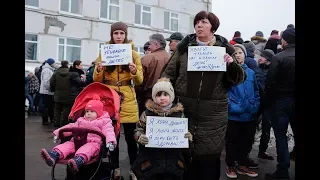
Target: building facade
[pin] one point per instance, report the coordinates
(75, 29)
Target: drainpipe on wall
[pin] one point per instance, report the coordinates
(208, 1)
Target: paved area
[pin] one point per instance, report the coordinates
(37, 137)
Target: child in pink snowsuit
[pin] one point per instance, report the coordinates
(94, 118)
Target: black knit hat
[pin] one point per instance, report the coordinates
(289, 35)
(268, 54)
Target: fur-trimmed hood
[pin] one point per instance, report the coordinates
(258, 39)
(153, 107)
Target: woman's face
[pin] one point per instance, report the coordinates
(239, 55)
(203, 28)
(79, 66)
(118, 36)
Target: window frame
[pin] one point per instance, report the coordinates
(141, 17)
(170, 17)
(141, 53)
(108, 10)
(37, 42)
(99, 47)
(65, 45)
(69, 9)
(33, 7)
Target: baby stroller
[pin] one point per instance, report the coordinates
(95, 169)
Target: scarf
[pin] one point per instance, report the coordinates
(167, 108)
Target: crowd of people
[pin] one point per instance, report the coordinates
(223, 108)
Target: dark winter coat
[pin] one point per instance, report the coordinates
(204, 96)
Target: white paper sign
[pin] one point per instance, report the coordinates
(166, 132)
(116, 54)
(206, 58)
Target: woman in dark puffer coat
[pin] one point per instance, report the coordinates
(77, 81)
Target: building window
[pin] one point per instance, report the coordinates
(142, 15)
(30, 46)
(69, 49)
(34, 3)
(71, 6)
(171, 21)
(100, 44)
(110, 9)
(140, 50)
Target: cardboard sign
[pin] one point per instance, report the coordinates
(116, 54)
(206, 58)
(166, 132)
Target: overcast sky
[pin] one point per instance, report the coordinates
(249, 16)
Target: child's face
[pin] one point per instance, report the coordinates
(162, 99)
(90, 115)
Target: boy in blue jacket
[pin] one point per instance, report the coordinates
(244, 102)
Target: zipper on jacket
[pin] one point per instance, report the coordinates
(198, 100)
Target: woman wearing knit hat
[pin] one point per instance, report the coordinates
(120, 77)
(147, 166)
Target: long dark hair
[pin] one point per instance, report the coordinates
(74, 69)
(110, 69)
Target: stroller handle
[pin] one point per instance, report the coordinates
(81, 131)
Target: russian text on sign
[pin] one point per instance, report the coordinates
(167, 132)
(116, 54)
(206, 58)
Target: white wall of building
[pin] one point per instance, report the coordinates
(91, 30)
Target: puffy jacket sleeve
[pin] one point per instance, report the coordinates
(171, 70)
(46, 74)
(271, 79)
(108, 131)
(53, 82)
(98, 76)
(138, 77)
(256, 104)
(235, 75)
(141, 126)
(76, 80)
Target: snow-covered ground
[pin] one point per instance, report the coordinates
(272, 142)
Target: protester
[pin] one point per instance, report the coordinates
(204, 96)
(152, 64)
(119, 77)
(280, 90)
(159, 163)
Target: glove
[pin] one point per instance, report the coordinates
(55, 139)
(143, 139)
(188, 135)
(110, 146)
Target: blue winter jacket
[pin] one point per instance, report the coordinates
(244, 99)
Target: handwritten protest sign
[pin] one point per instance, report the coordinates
(116, 54)
(167, 132)
(206, 58)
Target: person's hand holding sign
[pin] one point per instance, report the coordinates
(228, 59)
(143, 139)
(132, 68)
(100, 67)
(189, 136)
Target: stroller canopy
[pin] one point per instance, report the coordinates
(109, 97)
